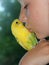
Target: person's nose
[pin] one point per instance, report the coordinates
(23, 17)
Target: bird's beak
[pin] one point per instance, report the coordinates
(24, 23)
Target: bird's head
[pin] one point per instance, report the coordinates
(16, 25)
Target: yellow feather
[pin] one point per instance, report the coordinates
(22, 35)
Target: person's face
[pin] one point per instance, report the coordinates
(35, 14)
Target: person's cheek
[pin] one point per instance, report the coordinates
(38, 18)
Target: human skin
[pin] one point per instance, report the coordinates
(38, 55)
(36, 16)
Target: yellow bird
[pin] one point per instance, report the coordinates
(24, 37)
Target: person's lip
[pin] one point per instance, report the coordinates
(30, 29)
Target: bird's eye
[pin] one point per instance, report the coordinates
(16, 22)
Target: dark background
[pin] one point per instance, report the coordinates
(10, 51)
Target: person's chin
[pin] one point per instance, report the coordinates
(40, 36)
